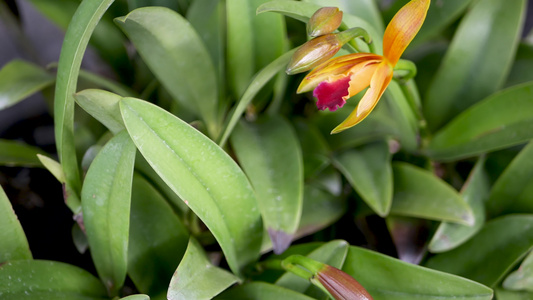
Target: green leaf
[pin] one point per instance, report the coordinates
(43, 280)
(13, 242)
(387, 278)
(17, 154)
(53, 167)
(269, 35)
(490, 254)
(419, 193)
(178, 58)
(259, 81)
(106, 197)
(512, 191)
(157, 239)
(502, 294)
(316, 155)
(478, 60)
(75, 43)
(369, 171)
(332, 253)
(103, 106)
(193, 166)
(521, 279)
(197, 278)
(269, 153)
(136, 297)
(502, 120)
(474, 192)
(19, 80)
(522, 70)
(260, 291)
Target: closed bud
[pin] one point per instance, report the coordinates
(340, 285)
(324, 21)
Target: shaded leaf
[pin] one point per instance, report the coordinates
(13, 242)
(261, 291)
(136, 297)
(521, 71)
(197, 278)
(193, 166)
(502, 294)
(17, 154)
(103, 106)
(316, 154)
(490, 254)
(106, 197)
(410, 236)
(521, 279)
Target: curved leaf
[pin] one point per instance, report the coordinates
(269, 153)
(14, 153)
(501, 120)
(19, 80)
(478, 59)
(521, 279)
(419, 193)
(103, 106)
(41, 279)
(260, 291)
(387, 278)
(197, 278)
(202, 174)
(106, 197)
(490, 254)
(13, 242)
(178, 58)
(136, 297)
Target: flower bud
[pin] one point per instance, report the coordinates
(340, 285)
(324, 21)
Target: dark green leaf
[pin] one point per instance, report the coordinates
(106, 199)
(387, 278)
(197, 278)
(521, 279)
(103, 106)
(502, 120)
(136, 297)
(17, 154)
(13, 242)
(193, 166)
(502, 294)
(490, 254)
(419, 193)
(19, 80)
(478, 60)
(522, 70)
(261, 291)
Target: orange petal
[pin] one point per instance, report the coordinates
(380, 81)
(403, 28)
(338, 66)
(361, 76)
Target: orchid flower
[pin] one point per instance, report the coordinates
(338, 79)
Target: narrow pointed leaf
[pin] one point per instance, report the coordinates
(13, 242)
(478, 60)
(41, 279)
(106, 199)
(269, 153)
(177, 56)
(512, 191)
(369, 171)
(19, 80)
(387, 278)
(499, 121)
(502, 242)
(261, 291)
(197, 278)
(474, 192)
(53, 167)
(521, 279)
(103, 106)
(17, 154)
(157, 240)
(193, 166)
(419, 193)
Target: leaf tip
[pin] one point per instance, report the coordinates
(280, 240)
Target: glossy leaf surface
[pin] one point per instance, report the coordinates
(103, 106)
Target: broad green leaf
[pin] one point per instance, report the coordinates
(178, 58)
(365, 9)
(490, 254)
(419, 193)
(106, 197)
(17, 154)
(74, 45)
(521, 279)
(512, 191)
(522, 70)
(269, 35)
(316, 155)
(103, 106)
(369, 171)
(13, 242)
(157, 239)
(478, 60)
(258, 82)
(44, 280)
(19, 80)
(260, 291)
(387, 278)
(502, 294)
(440, 15)
(136, 297)
(269, 152)
(197, 278)
(332, 253)
(474, 192)
(53, 167)
(501, 120)
(193, 166)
